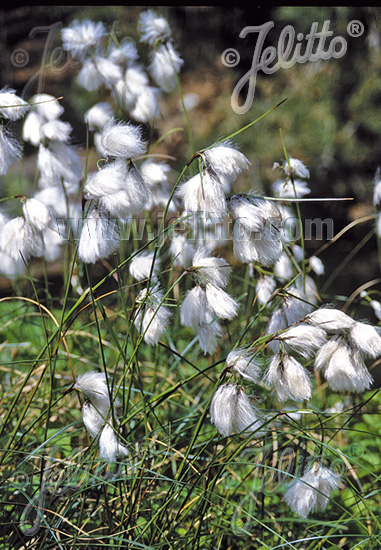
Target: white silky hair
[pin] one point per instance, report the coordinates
(141, 265)
(226, 160)
(305, 339)
(152, 317)
(56, 130)
(196, 313)
(80, 36)
(19, 239)
(232, 412)
(212, 269)
(109, 447)
(37, 214)
(312, 491)
(221, 303)
(330, 319)
(92, 419)
(203, 192)
(165, 64)
(366, 338)
(94, 385)
(182, 250)
(288, 378)
(99, 237)
(12, 107)
(343, 366)
(244, 363)
(153, 27)
(10, 150)
(122, 139)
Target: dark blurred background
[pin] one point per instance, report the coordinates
(331, 119)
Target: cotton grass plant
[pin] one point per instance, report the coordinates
(201, 392)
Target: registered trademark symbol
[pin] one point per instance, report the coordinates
(355, 28)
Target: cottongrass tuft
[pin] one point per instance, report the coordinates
(232, 412)
(288, 378)
(244, 363)
(152, 317)
(312, 491)
(343, 366)
(122, 140)
(304, 339)
(97, 414)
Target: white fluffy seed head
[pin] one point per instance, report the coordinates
(99, 115)
(182, 250)
(211, 269)
(141, 265)
(46, 106)
(124, 53)
(304, 339)
(226, 160)
(376, 306)
(343, 366)
(154, 173)
(92, 420)
(107, 181)
(221, 303)
(59, 162)
(89, 76)
(330, 319)
(283, 268)
(109, 447)
(244, 363)
(81, 36)
(232, 412)
(124, 194)
(9, 267)
(153, 316)
(296, 306)
(265, 287)
(209, 334)
(277, 322)
(222, 408)
(56, 130)
(94, 385)
(31, 128)
(20, 240)
(325, 353)
(196, 313)
(120, 139)
(194, 308)
(312, 491)
(146, 105)
(99, 237)
(12, 106)
(165, 64)
(153, 27)
(253, 212)
(285, 188)
(294, 167)
(298, 168)
(203, 193)
(288, 378)
(110, 73)
(256, 232)
(36, 213)
(366, 338)
(317, 265)
(10, 150)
